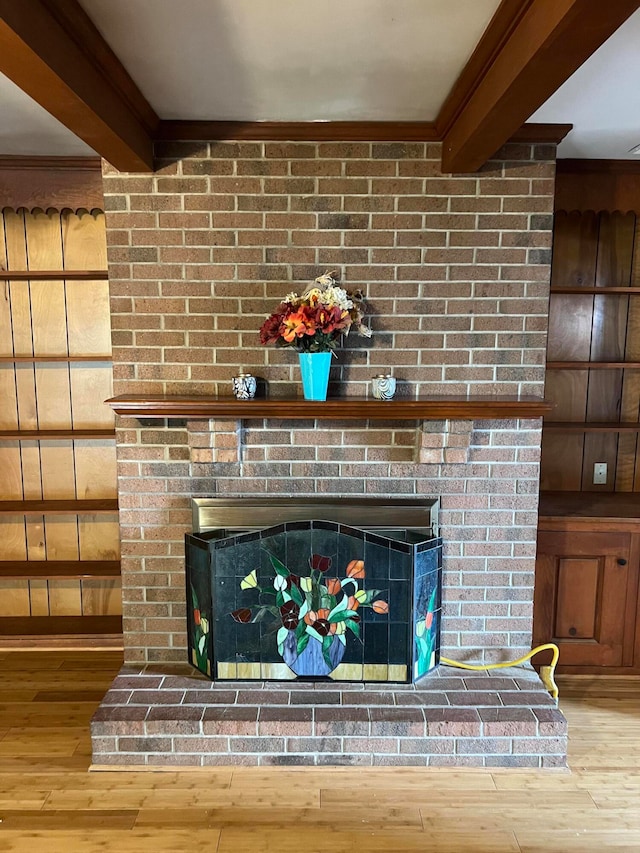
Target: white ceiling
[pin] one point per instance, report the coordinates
(293, 60)
(303, 60)
(602, 99)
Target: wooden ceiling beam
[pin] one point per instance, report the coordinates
(527, 52)
(52, 50)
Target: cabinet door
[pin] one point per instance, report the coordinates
(584, 597)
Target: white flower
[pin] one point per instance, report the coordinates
(365, 331)
(338, 296)
(279, 582)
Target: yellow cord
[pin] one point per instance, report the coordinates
(546, 672)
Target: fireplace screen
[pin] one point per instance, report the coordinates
(314, 599)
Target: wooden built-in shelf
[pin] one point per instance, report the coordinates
(65, 358)
(592, 365)
(349, 408)
(58, 507)
(623, 506)
(54, 275)
(601, 291)
(33, 626)
(59, 569)
(45, 434)
(590, 426)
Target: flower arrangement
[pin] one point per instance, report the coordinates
(315, 321)
(313, 607)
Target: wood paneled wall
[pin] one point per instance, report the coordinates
(55, 431)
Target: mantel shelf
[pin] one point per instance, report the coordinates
(350, 408)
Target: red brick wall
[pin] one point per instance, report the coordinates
(456, 270)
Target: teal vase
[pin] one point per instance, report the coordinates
(314, 368)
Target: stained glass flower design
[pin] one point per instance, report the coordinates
(311, 607)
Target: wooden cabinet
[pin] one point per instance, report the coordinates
(586, 590)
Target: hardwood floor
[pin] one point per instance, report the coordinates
(49, 802)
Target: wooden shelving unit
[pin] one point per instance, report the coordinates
(59, 566)
(588, 554)
(593, 353)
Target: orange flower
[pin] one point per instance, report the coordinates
(310, 617)
(353, 603)
(355, 569)
(380, 606)
(196, 616)
(296, 325)
(323, 613)
(333, 586)
(428, 620)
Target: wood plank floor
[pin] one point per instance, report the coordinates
(49, 802)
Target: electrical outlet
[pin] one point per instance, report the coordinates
(599, 473)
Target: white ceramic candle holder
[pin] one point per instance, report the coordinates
(383, 386)
(244, 386)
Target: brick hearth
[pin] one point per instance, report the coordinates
(162, 716)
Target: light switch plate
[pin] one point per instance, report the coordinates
(599, 473)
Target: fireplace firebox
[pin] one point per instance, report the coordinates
(340, 589)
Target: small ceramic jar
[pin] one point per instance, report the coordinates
(244, 386)
(383, 386)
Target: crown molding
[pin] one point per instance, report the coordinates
(334, 131)
(87, 164)
(301, 131)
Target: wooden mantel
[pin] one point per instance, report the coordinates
(351, 408)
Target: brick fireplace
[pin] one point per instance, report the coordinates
(456, 272)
